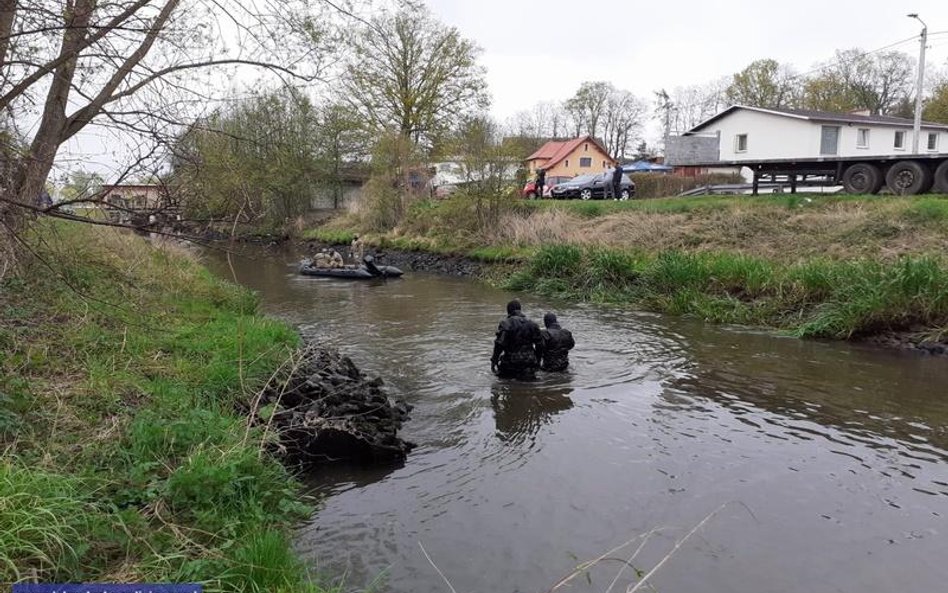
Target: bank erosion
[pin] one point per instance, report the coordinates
(826, 266)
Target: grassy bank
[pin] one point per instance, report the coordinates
(827, 266)
(124, 458)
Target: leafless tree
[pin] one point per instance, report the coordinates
(137, 69)
(691, 105)
(856, 79)
(622, 122)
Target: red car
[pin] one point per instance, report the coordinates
(530, 189)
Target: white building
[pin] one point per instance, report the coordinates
(755, 134)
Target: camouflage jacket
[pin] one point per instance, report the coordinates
(555, 344)
(516, 343)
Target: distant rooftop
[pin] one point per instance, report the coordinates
(822, 116)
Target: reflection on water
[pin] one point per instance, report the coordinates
(832, 461)
(521, 409)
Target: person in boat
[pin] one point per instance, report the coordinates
(335, 260)
(555, 344)
(516, 344)
(357, 250)
(321, 259)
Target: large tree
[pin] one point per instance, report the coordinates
(936, 107)
(856, 79)
(410, 73)
(137, 68)
(685, 107)
(764, 83)
(622, 122)
(588, 107)
(256, 158)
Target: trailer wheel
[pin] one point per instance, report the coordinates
(941, 178)
(908, 178)
(862, 178)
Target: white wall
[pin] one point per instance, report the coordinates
(778, 137)
(768, 136)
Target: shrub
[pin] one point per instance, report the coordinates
(660, 185)
(557, 261)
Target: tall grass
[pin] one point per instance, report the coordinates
(127, 456)
(819, 298)
(41, 523)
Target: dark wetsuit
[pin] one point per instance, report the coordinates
(515, 348)
(617, 183)
(555, 345)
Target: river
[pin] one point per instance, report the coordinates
(814, 466)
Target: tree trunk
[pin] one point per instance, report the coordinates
(7, 14)
(45, 144)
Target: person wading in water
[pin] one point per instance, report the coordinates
(555, 345)
(516, 345)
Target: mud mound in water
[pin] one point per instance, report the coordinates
(327, 410)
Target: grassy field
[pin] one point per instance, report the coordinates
(816, 265)
(122, 367)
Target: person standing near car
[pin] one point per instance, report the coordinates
(607, 185)
(617, 181)
(541, 181)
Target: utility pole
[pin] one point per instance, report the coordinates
(919, 89)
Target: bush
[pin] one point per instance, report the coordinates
(659, 185)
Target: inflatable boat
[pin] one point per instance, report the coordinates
(366, 271)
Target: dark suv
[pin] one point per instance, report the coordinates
(588, 187)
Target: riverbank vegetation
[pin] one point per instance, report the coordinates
(124, 457)
(818, 265)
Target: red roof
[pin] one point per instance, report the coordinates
(555, 151)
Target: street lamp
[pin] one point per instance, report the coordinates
(917, 127)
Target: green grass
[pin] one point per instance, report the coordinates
(821, 265)
(928, 210)
(329, 236)
(499, 254)
(122, 372)
(676, 205)
(813, 299)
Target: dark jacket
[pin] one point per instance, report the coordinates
(617, 176)
(516, 344)
(541, 177)
(555, 345)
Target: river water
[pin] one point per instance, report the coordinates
(814, 466)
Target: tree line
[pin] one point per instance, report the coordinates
(879, 83)
(340, 86)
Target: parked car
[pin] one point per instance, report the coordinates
(588, 187)
(529, 190)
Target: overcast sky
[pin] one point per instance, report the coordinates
(542, 51)
(539, 51)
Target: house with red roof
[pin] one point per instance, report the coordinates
(569, 158)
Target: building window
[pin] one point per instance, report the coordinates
(586, 147)
(585, 162)
(740, 143)
(899, 140)
(567, 163)
(933, 141)
(603, 164)
(862, 138)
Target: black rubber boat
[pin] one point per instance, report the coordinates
(367, 271)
